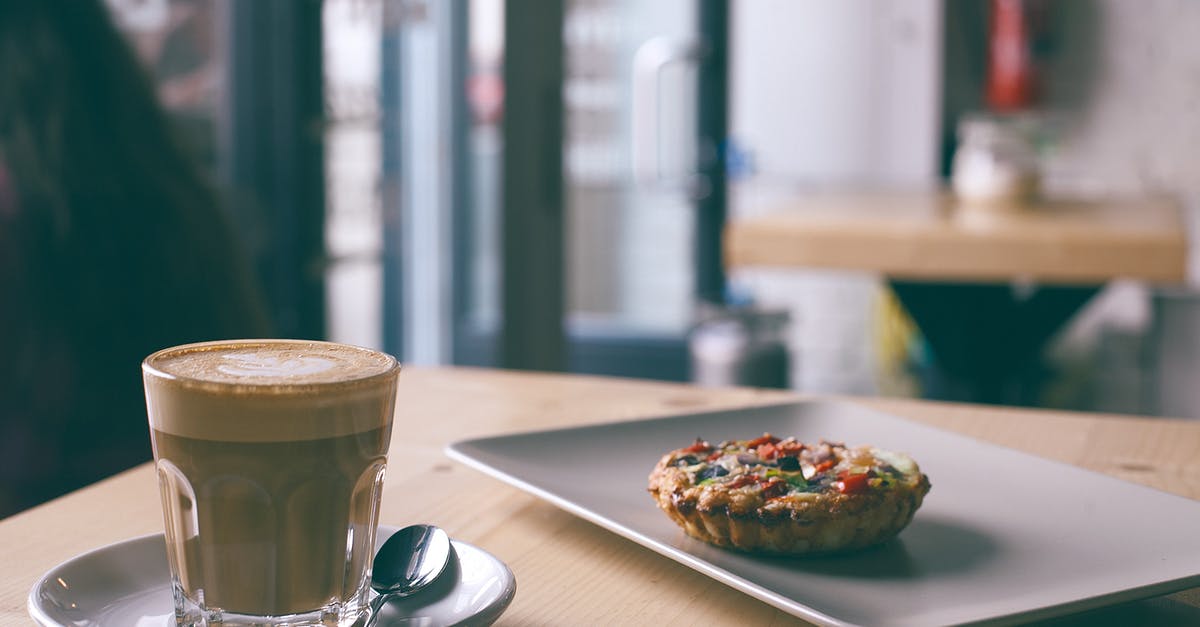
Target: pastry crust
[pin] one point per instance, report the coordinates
(784, 497)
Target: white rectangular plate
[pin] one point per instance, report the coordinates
(1003, 536)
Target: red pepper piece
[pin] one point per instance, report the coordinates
(852, 484)
(713, 457)
(699, 447)
(767, 451)
(823, 466)
(766, 438)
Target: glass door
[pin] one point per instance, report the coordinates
(629, 164)
(635, 186)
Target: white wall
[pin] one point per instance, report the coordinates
(838, 92)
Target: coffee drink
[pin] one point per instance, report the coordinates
(270, 458)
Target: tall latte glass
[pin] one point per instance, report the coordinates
(270, 458)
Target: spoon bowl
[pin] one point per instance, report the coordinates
(411, 559)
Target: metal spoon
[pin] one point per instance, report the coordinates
(410, 560)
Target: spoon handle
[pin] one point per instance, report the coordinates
(373, 610)
(376, 605)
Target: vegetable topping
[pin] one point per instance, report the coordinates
(781, 467)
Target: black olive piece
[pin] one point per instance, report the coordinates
(789, 463)
(687, 460)
(712, 471)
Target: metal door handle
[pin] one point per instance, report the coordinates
(649, 61)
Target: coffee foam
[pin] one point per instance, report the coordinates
(268, 390)
(270, 363)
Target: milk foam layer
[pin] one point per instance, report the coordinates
(280, 362)
(269, 390)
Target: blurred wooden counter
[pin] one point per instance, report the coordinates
(925, 236)
(570, 571)
(953, 268)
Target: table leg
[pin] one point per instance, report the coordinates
(987, 339)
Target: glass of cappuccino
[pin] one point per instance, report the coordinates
(270, 457)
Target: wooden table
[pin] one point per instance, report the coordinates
(569, 571)
(953, 267)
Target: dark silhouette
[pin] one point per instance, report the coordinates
(112, 245)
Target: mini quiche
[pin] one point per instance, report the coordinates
(785, 497)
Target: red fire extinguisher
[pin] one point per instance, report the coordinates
(1011, 80)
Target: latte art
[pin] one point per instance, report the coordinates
(259, 365)
(271, 363)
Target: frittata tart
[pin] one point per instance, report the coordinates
(786, 497)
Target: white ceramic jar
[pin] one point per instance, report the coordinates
(995, 163)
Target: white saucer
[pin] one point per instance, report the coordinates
(128, 583)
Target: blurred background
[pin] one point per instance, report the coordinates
(547, 185)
